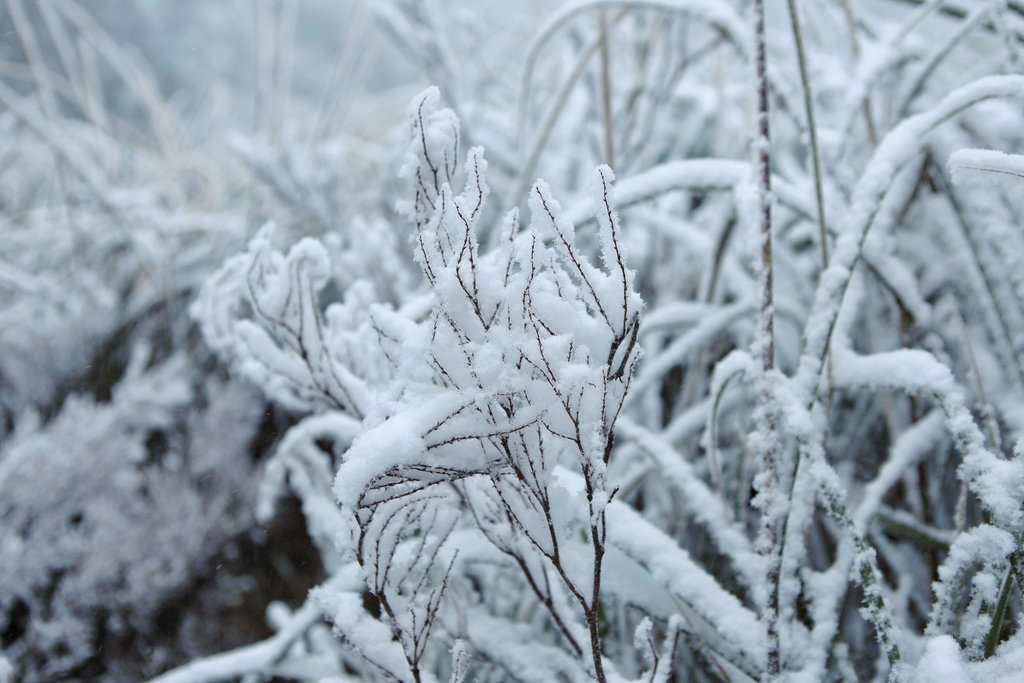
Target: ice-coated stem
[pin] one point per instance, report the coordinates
(766, 422)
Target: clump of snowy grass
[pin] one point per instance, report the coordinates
(713, 419)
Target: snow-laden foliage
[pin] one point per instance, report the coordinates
(746, 408)
(125, 481)
(127, 460)
(518, 371)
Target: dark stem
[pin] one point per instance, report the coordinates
(769, 513)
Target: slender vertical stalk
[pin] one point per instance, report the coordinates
(762, 144)
(766, 418)
(593, 611)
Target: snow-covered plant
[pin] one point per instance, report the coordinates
(145, 491)
(490, 424)
(489, 466)
(799, 459)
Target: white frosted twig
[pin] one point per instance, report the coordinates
(773, 505)
(865, 567)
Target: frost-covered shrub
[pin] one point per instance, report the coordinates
(520, 368)
(139, 493)
(797, 460)
(875, 461)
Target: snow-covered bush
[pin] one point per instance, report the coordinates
(139, 493)
(747, 408)
(519, 369)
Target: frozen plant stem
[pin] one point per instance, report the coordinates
(593, 609)
(766, 419)
(764, 169)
